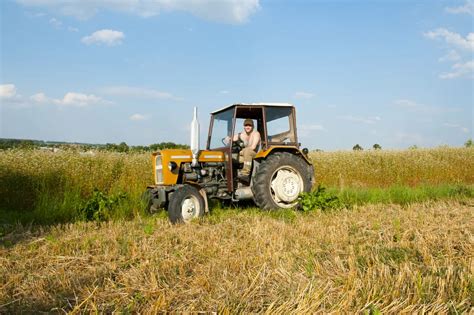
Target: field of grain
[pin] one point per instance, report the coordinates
(47, 187)
(405, 243)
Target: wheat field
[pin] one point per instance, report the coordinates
(47, 187)
(376, 257)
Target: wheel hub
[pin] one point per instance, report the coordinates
(286, 185)
(189, 208)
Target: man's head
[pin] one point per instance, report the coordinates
(248, 125)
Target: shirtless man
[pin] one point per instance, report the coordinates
(251, 140)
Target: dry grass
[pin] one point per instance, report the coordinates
(387, 258)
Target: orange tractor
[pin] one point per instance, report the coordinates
(280, 170)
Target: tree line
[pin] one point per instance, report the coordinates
(6, 144)
(468, 144)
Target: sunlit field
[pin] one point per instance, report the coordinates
(403, 243)
(47, 187)
(384, 258)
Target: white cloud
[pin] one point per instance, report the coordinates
(450, 56)
(40, 98)
(359, 119)
(138, 92)
(7, 91)
(467, 8)
(72, 99)
(56, 23)
(460, 70)
(138, 117)
(224, 92)
(9, 94)
(456, 126)
(72, 29)
(107, 37)
(453, 38)
(303, 95)
(80, 100)
(226, 11)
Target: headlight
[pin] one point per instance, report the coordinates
(172, 166)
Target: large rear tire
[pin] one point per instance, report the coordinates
(186, 203)
(279, 181)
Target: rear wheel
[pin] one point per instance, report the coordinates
(186, 203)
(279, 181)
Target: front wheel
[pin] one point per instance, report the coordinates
(186, 203)
(279, 181)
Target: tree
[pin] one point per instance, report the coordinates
(377, 146)
(469, 143)
(27, 144)
(122, 147)
(357, 147)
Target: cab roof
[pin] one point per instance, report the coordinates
(253, 104)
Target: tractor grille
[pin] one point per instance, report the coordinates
(158, 169)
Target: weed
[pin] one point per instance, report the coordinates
(320, 199)
(101, 207)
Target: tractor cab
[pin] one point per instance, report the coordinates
(275, 122)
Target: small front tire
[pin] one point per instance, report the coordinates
(186, 203)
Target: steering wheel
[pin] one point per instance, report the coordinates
(224, 141)
(237, 146)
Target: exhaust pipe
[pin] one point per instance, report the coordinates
(195, 138)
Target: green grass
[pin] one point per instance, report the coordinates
(52, 210)
(402, 195)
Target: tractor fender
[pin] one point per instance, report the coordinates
(263, 154)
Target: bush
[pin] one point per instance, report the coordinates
(320, 199)
(101, 207)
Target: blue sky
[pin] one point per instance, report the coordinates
(397, 73)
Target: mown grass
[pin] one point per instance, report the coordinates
(47, 188)
(379, 258)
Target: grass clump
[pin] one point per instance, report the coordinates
(320, 199)
(102, 207)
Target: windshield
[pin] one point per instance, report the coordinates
(221, 128)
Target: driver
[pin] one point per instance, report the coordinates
(251, 140)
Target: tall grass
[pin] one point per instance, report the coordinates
(46, 187)
(381, 169)
(53, 187)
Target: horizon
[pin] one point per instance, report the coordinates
(397, 73)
